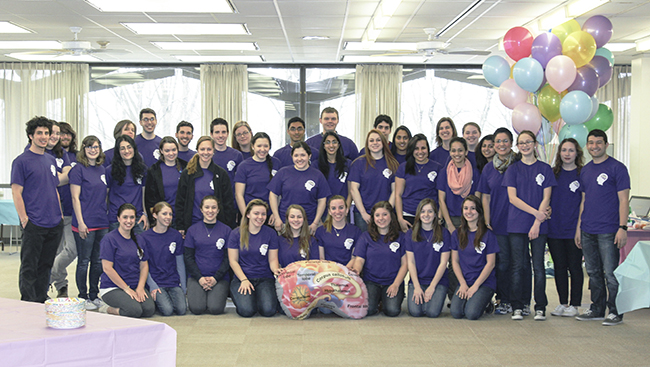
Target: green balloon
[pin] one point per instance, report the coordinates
(603, 119)
(606, 54)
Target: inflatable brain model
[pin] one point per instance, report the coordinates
(305, 285)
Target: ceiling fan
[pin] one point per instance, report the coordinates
(432, 46)
(77, 47)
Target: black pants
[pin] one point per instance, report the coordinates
(37, 255)
(567, 258)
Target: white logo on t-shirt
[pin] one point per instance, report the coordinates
(220, 243)
(59, 162)
(72, 164)
(103, 178)
(540, 179)
(231, 165)
(394, 246)
(343, 177)
(53, 170)
(263, 249)
(139, 180)
(172, 247)
(309, 185)
(437, 246)
(156, 154)
(573, 186)
(602, 178)
(348, 243)
(273, 172)
(432, 176)
(480, 249)
(211, 185)
(303, 254)
(387, 172)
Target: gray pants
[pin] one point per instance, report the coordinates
(65, 255)
(212, 301)
(128, 306)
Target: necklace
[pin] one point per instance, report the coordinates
(419, 167)
(336, 231)
(206, 228)
(424, 232)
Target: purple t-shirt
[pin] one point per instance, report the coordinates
(255, 175)
(186, 156)
(254, 262)
(490, 184)
(149, 149)
(350, 150)
(299, 187)
(472, 261)
(36, 173)
(162, 249)
(400, 158)
(290, 252)
(565, 202)
(427, 254)
(374, 183)
(203, 186)
(383, 260)
(440, 155)
(245, 155)
(129, 192)
(171, 176)
(338, 244)
(472, 158)
(92, 182)
(419, 186)
(338, 183)
(124, 255)
(530, 182)
(229, 160)
(284, 156)
(64, 191)
(108, 153)
(455, 202)
(601, 184)
(209, 250)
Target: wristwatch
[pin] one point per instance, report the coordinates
(623, 228)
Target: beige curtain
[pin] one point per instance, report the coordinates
(224, 90)
(617, 94)
(377, 89)
(57, 91)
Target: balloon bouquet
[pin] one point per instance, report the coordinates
(552, 84)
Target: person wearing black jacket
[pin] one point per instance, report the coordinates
(163, 177)
(201, 178)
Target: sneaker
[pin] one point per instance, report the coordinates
(526, 310)
(570, 311)
(503, 309)
(589, 315)
(103, 308)
(517, 315)
(97, 302)
(559, 310)
(90, 306)
(63, 292)
(540, 315)
(612, 319)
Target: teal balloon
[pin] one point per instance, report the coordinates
(578, 132)
(496, 70)
(528, 73)
(606, 54)
(603, 119)
(575, 107)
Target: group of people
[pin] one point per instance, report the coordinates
(463, 220)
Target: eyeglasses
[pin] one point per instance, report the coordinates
(242, 134)
(528, 142)
(296, 129)
(149, 119)
(94, 147)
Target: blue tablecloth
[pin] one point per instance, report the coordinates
(8, 215)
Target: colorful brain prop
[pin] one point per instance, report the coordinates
(305, 285)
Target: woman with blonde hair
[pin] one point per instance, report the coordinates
(336, 238)
(295, 243)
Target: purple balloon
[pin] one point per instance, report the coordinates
(603, 69)
(600, 28)
(586, 80)
(545, 47)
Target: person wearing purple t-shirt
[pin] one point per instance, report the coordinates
(163, 176)
(381, 255)
(336, 238)
(372, 178)
(471, 134)
(329, 119)
(296, 133)
(334, 166)
(602, 226)
(427, 247)
(255, 173)
(253, 287)
(565, 201)
(484, 152)
(473, 254)
(206, 260)
(123, 127)
(90, 221)
(241, 138)
(530, 183)
(164, 246)
(148, 142)
(384, 124)
(300, 184)
(445, 131)
(225, 156)
(126, 268)
(33, 188)
(184, 136)
(415, 180)
(295, 243)
(401, 138)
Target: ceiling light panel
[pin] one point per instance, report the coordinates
(202, 46)
(200, 59)
(7, 27)
(54, 58)
(379, 46)
(186, 28)
(163, 6)
(29, 45)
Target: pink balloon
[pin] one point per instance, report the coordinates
(526, 117)
(518, 42)
(511, 95)
(557, 125)
(560, 72)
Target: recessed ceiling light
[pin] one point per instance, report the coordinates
(315, 38)
(199, 59)
(199, 46)
(619, 47)
(379, 46)
(7, 27)
(383, 59)
(163, 6)
(29, 45)
(187, 28)
(68, 58)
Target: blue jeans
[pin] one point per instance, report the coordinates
(359, 222)
(212, 301)
(519, 245)
(170, 300)
(601, 258)
(263, 299)
(392, 305)
(433, 308)
(88, 252)
(474, 307)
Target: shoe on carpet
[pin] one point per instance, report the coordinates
(540, 315)
(526, 310)
(570, 311)
(612, 319)
(517, 315)
(559, 310)
(503, 309)
(590, 315)
(90, 306)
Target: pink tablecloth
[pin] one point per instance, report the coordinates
(633, 236)
(106, 340)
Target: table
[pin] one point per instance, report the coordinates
(106, 340)
(8, 217)
(633, 236)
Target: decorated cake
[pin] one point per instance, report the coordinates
(65, 313)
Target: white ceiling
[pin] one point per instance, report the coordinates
(340, 20)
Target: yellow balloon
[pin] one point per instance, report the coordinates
(512, 67)
(548, 102)
(580, 46)
(565, 29)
